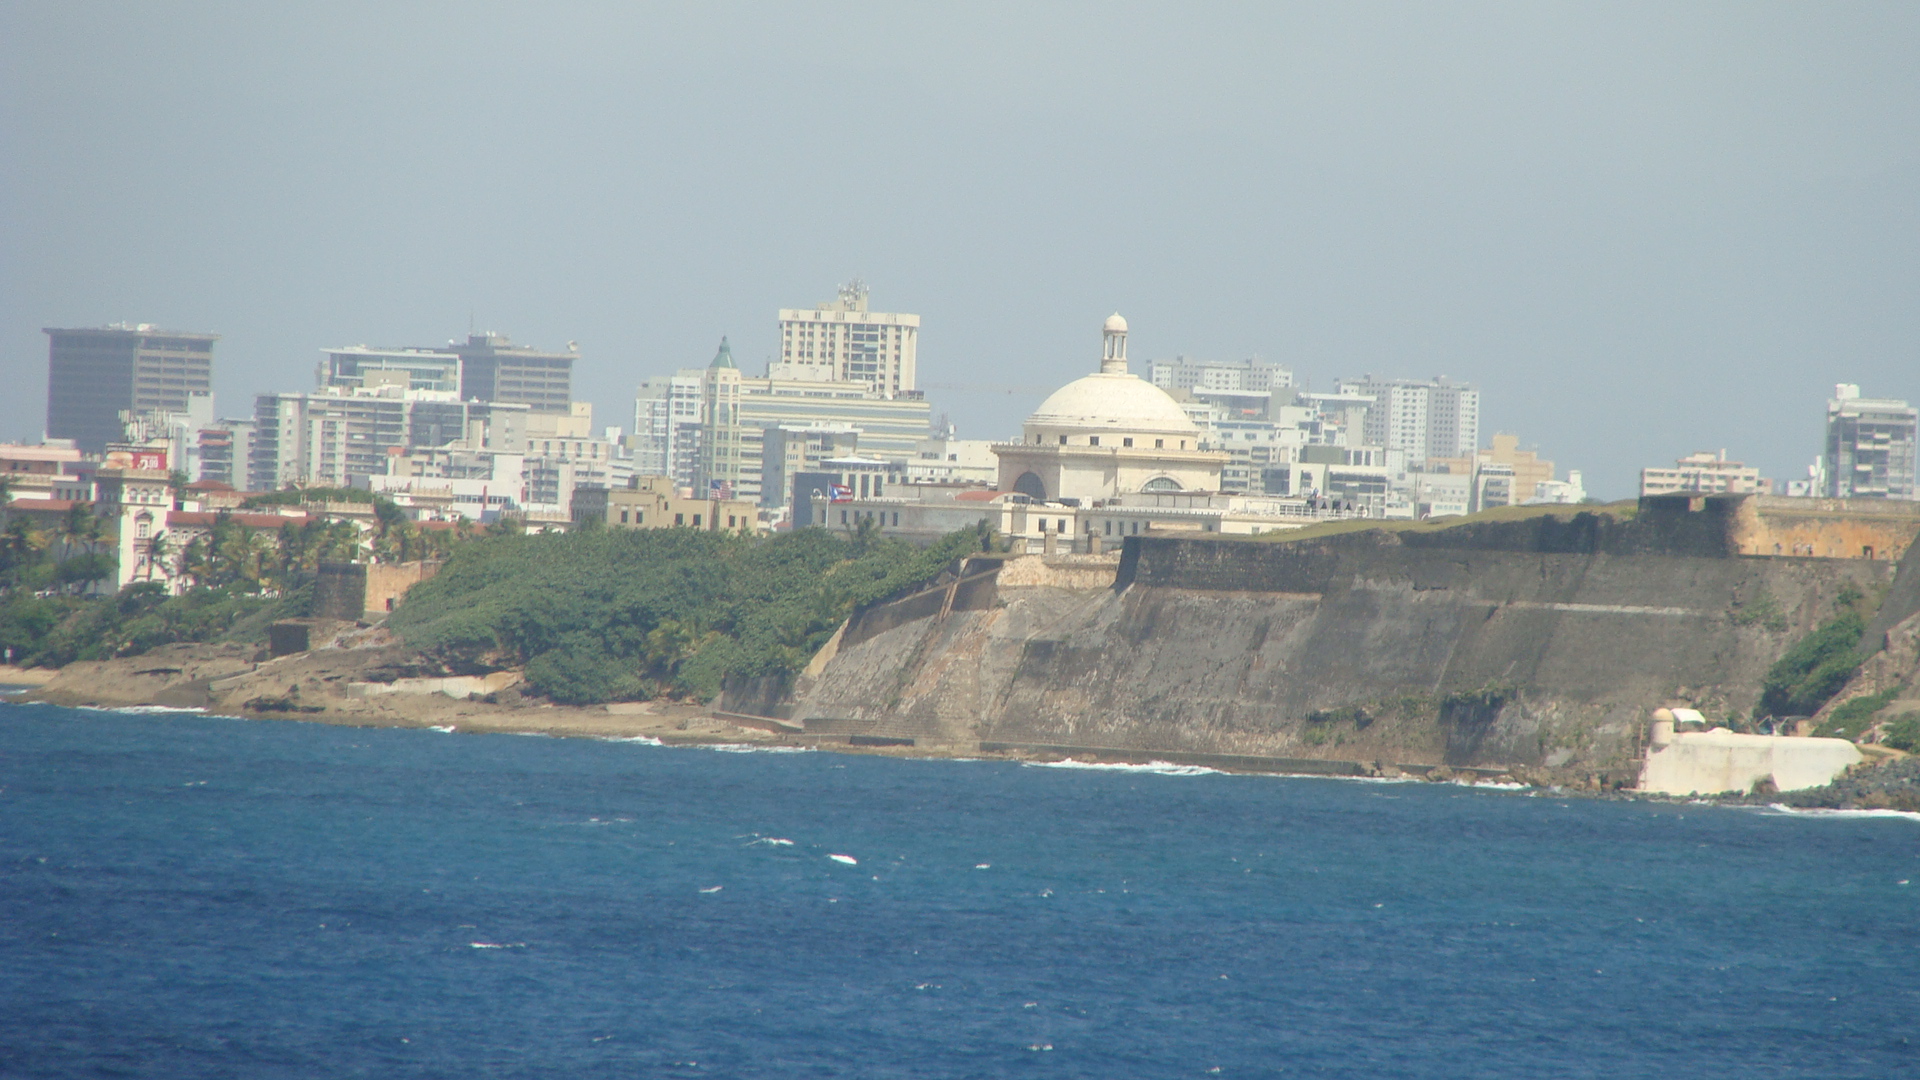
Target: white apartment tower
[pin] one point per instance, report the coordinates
(1870, 446)
(667, 412)
(1432, 418)
(844, 342)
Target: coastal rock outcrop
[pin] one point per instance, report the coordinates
(1535, 645)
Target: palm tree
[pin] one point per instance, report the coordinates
(193, 561)
(158, 548)
(82, 528)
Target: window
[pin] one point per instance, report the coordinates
(1126, 442)
(730, 521)
(1093, 440)
(1159, 444)
(623, 517)
(896, 524)
(696, 521)
(1063, 440)
(1063, 525)
(679, 519)
(843, 517)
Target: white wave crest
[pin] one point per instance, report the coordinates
(1162, 768)
(749, 748)
(1821, 811)
(145, 710)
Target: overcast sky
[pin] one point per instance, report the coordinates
(1640, 230)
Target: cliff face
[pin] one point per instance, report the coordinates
(1507, 644)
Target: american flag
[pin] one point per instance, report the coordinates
(720, 489)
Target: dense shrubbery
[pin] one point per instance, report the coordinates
(1903, 733)
(605, 615)
(1852, 719)
(1818, 665)
(50, 631)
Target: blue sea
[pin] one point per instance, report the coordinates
(193, 896)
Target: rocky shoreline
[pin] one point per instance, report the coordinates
(363, 678)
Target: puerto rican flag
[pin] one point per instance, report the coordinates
(720, 489)
(841, 493)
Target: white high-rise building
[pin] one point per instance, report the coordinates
(1243, 376)
(844, 342)
(1870, 446)
(666, 426)
(1427, 418)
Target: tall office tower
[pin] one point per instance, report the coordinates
(93, 375)
(336, 435)
(666, 426)
(844, 342)
(1870, 446)
(1425, 418)
(1242, 376)
(409, 369)
(494, 369)
(720, 458)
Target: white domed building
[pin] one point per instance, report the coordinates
(1106, 435)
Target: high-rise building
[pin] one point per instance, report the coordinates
(358, 366)
(666, 426)
(720, 451)
(338, 436)
(1426, 418)
(1870, 446)
(492, 368)
(95, 374)
(844, 342)
(1241, 376)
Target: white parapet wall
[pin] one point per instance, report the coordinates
(1719, 761)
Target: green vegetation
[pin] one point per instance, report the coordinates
(1818, 665)
(606, 615)
(239, 580)
(1852, 719)
(52, 631)
(1762, 610)
(1903, 732)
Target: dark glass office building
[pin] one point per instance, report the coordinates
(494, 369)
(95, 373)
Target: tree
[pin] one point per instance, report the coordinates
(176, 484)
(82, 570)
(159, 547)
(82, 528)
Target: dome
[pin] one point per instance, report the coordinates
(1116, 324)
(1110, 402)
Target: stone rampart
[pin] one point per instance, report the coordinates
(1363, 646)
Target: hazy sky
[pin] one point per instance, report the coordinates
(1641, 230)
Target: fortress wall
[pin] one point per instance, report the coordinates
(1461, 655)
(1826, 528)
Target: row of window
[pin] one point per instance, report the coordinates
(1125, 441)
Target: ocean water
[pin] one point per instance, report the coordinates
(190, 896)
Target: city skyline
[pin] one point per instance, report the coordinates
(1637, 232)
